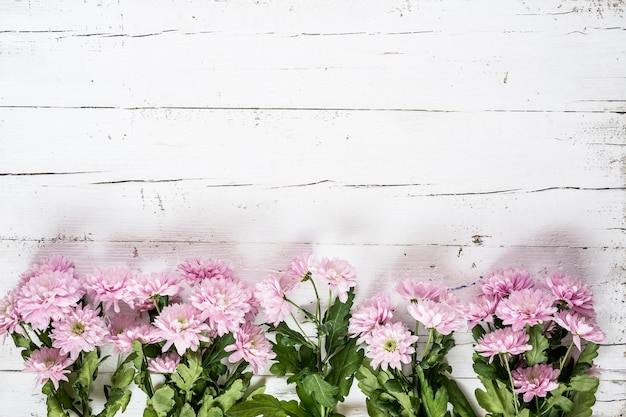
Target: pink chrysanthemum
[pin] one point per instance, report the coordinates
(180, 325)
(439, 316)
(124, 330)
(299, 267)
(271, 294)
(415, 291)
(223, 302)
(572, 293)
(10, 317)
(82, 330)
(503, 282)
(535, 380)
(164, 364)
(390, 345)
(526, 307)
(339, 275)
(108, 286)
(503, 341)
(371, 313)
(52, 263)
(481, 309)
(48, 364)
(144, 290)
(252, 346)
(195, 270)
(48, 296)
(580, 327)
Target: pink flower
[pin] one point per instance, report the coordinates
(439, 316)
(339, 275)
(414, 291)
(390, 345)
(299, 267)
(506, 341)
(580, 327)
(195, 270)
(503, 282)
(48, 296)
(124, 330)
(482, 309)
(536, 380)
(108, 286)
(180, 325)
(146, 289)
(50, 264)
(10, 317)
(572, 292)
(371, 313)
(82, 330)
(224, 302)
(252, 346)
(164, 364)
(48, 364)
(271, 294)
(526, 307)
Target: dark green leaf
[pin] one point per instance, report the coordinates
(457, 398)
(118, 400)
(289, 337)
(585, 360)
(582, 403)
(485, 370)
(344, 365)
(478, 332)
(497, 399)
(268, 406)
(539, 343)
(287, 359)
(335, 322)
(584, 383)
(321, 391)
(435, 403)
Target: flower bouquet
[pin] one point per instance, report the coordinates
(312, 344)
(396, 379)
(535, 345)
(59, 321)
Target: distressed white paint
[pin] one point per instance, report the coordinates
(418, 138)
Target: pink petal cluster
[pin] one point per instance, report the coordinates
(108, 286)
(52, 263)
(339, 275)
(165, 363)
(580, 327)
(503, 341)
(390, 345)
(252, 346)
(10, 317)
(367, 316)
(48, 296)
(82, 330)
(226, 303)
(526, 307)
(48, 364)
(415, 291)
(503, 282)
(145, 289)
(572, 292)
(196, 270)
(535, 381)
(180, 325)
(300, 267)
(271, 294)
(481, 309)
(124, 330)
(442, 317)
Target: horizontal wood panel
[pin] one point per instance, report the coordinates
(432, 71)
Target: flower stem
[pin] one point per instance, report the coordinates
(508, 370)
(569, 349)
(428, 342)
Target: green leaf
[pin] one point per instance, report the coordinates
(478, 332)
(230, 397)
(25, 343)
(459, 401)
(559, 401)
(497, 399)
(335, 322)
(582, 403)
(268, 406)
(186, 375)
(344, 365)
(118, 400)
(539, 343)
(368, 382)
(54, 408)
(321, 391)
(187, 411)
(584, 383)
(435, 403)
(485, 370)
(289, 337)
(585, 360)
(215, 412)
(162, 401)
(122, 377)
(287, 359)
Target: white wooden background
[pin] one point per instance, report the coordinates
(435, 139)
